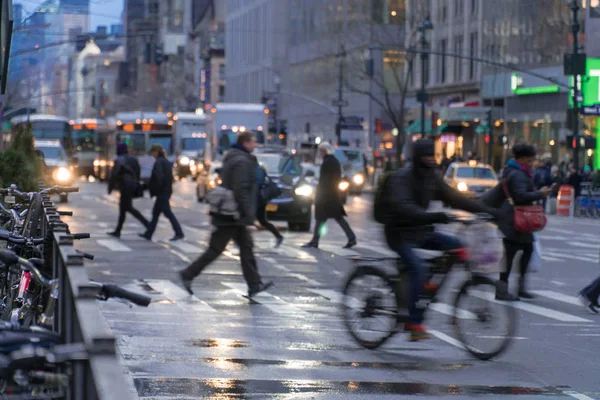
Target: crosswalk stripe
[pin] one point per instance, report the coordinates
(338, 251)
(179, 296)
(571, 256)
(558, 296)
(267, 300)
(337, 297)
(548, 258)
(113, 245)
(384, 251)
(544, 312)
(449, 310)
(185, 247)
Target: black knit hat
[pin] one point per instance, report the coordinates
(523, 150)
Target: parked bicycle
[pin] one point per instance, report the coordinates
(385, 296)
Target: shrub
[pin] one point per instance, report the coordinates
(19, 163)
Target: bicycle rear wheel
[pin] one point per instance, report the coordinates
(484, 325)
(370, 297)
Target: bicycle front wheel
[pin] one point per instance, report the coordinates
(370, 307)
(484, 326)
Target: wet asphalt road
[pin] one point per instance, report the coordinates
(291, 344)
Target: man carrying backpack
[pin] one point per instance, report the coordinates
(401, 204)
(239, 187)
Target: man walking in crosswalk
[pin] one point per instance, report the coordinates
(239, 176)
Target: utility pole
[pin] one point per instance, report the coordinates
(490, 134)
(422, 96)
(340, 101)
(576, 80)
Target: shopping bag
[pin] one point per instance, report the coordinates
(535, 263)
(485, 245)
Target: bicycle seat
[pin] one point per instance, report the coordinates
(14, 339)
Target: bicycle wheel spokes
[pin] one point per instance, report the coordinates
(484, 325)
(369, 307)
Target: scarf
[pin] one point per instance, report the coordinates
(523, 167)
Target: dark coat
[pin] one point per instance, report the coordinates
(239, 175)
(522, 189)
(161, 181)
(411, 191)
(328, 203)
(125, 175)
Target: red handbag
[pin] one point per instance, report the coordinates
(527, 219)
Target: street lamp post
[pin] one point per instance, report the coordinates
(422, 95)
(576, 77)
(277, 82)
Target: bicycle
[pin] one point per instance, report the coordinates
(372, 303)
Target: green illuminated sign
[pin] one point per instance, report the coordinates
(516, 83)
(589, 85)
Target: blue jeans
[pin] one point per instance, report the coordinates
(162, 206)
(416, 268)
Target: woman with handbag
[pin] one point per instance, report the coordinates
(266, 192)
(523, 217)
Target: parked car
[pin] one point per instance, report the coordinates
(294, 205)
(207, 179)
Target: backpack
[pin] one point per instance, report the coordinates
(223, 204)
(380, 203)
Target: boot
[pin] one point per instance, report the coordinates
(523, 293)
(502, 292)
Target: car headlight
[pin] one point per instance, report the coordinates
(344, 186)
(63, 174)
(192, 162)
(358, 179)
(184, 160)
(212, 183)
(304, 190)
(462, 187)
(96, 163)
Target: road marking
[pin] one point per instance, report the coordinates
(267, 300)
(449, 310)
(558, 283)
(386, 252)
(503, 337)
(102, 224)
(185, 247)
(571, 256)
(548, 258)
(577, 395)
(113, 245)
(558, 296)
(306, 279)
(584, 245)
(179, 296)
(447, 339)
(337, 297)
(181, 256)
(338, 251)
(544, 312)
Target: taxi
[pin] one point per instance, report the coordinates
(471, 178)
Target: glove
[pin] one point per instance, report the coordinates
(440, 218)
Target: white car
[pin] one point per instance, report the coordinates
(57, 163)
(208, 179)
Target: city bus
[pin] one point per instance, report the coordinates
(190, 142)
(85, 149)
(226, 120)
(50, 127)
(139, 130)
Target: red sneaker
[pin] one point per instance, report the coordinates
(417, 332)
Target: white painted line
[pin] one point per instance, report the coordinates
(102, 224)
(588, 334)
(556, 238)
(558, 283)
(564, 231)
(447, 339)
(185, 247)
(338, 250)
(291, 252)
(548, 258)
(577, 395)
(179, 296)
(386, 252)
(584, 245)
(571, 256)
(267, 300)
(113, 245)
(544, 312)
(449, 310)
(558, 296)
(503, 337)
(181, 256)
(306, 279)
(337, 297)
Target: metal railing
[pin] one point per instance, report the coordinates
(78, 317)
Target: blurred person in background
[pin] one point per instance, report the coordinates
(125, 177)
(161, 187)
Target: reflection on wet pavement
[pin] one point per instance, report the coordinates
(241, 388)
(223, 343)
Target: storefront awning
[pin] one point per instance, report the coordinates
(415, 128)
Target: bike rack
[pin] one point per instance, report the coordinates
(79, 319)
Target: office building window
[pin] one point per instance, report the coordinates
(175, 17)
(222, 71)
(474, 4)
(473, 53)
(458, 62)
(221, 93)
(393, 70)
(442, 61)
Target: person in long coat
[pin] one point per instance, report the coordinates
(328, 203)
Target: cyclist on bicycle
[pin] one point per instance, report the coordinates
(409, 225)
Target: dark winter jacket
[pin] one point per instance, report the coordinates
(161, 181)
(328, 203)
(542, 177)
(125, 175)
(239, 175)
(521, 188)
(411, 191)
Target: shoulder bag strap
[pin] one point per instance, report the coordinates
(508, 196)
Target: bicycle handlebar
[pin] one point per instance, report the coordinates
(110, 290)
(60, 189)
(79, 236)
(8, 257)
(14, 239)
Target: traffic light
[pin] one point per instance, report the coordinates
(148, 53)
(158, 54)
(487, 139)
(503, 140)
(378, 126)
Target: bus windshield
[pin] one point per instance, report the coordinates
(136, 144)
(53, 153)
(49, 129)
(191, 144)
(84, 140)
(165, 140)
